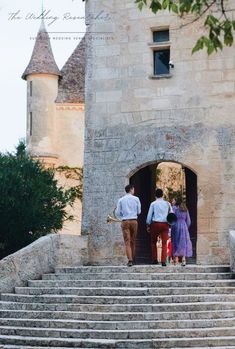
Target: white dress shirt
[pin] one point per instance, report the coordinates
(158, 211)
(128, 207)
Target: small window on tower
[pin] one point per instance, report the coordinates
(161, 53)
(31, 88)
(30, 123)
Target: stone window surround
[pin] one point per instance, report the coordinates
(157, 46)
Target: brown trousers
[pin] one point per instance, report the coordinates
(129, 231)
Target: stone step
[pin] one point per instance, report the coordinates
(117, 334)
(118, 316)
(117, 325)
(64, 299)
(180, 307)
(146, 269)
(138, 276)
(123, 291)
(175, 343)
(29, 347)
(131, 283)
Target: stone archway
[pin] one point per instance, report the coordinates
(144, 181)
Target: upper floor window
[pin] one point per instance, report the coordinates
(161, 53)
(161, 35)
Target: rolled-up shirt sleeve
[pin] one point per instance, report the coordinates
(170, 208)
(118, 211)
(150, 215)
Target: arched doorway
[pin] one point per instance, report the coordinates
(145, 181)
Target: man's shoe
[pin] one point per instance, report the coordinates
(163, 264)
(154, 262)
(130, 263)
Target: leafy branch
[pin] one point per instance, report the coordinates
(75, 174)
(219, 25)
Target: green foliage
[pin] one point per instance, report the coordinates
(31, 202)
(170, 182)
(218, 22)
(74, 174)
(175, 194)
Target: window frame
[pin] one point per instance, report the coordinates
(159, 46)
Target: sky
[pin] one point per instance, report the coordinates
(19, 23)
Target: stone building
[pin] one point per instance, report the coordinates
(140, 111)
(55, 112)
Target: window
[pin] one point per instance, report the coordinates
(31, 88)
(161, 62)
(30, 123)
(161, 53)
(161, 36)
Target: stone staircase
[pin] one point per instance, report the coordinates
(120, 307)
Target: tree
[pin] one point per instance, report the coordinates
(218, 21)
(31, 202)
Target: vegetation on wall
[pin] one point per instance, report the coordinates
(217, 15)
(72, 174)
(32, 204)
(169, 179)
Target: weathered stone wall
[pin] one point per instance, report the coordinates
(42, 256)
(70, 147)
(133, 120)
(42, 142)
(57, 135)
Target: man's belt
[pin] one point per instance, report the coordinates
(131, 219)
(158, 222)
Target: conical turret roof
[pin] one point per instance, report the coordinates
(72, 83)
(42, 60)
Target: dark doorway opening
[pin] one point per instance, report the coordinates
(145, 181)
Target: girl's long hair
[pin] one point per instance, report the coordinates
(181, 204)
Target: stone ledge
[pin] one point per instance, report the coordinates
(232, 249)
(42, 256)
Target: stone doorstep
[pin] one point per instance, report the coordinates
(144, 269)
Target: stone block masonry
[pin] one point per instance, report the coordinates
(42, 256)
(134, 120)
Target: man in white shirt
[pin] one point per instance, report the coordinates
(157, 225)
(128, 209)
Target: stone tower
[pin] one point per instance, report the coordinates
(42, 76)
(55, 113)
(141, 112)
